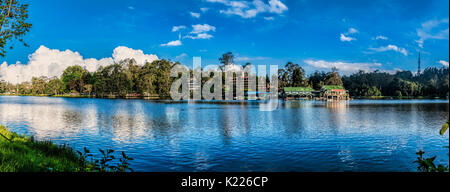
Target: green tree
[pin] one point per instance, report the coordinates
(292, 76)
(72, 78)
(54, 86)
(88, 89)
(25, 88)
(333, 78)
(298, 78)
(38, 84)
(100, 82)
(316, 80)
(226, 59)
(373, 91)
(163, 80)
(115, 80)
(13, 23)
(3, 86)
(146, 83)
(282, 79)
(443, 85)
(132, 70)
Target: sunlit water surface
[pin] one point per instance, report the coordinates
(359, 135)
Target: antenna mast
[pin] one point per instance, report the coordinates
(418, 69)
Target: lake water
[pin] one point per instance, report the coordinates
(358, 135)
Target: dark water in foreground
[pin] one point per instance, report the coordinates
(359, 135)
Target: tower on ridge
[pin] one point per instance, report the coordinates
(418, 69)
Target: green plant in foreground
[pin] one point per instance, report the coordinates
(105, 163)
(20, 153)
(444, 128)
(427, 164)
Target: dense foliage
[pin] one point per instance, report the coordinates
(119, 79)
(13, 23)
(431, 82)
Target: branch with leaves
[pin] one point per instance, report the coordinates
(13, 23)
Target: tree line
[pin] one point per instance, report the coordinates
(119, 79)
(433, 81)
(126, 77)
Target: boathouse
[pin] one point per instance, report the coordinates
(299, 93)
(334, 92)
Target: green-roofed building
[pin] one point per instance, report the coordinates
(299, 93)
(334, 92)
(327, 92)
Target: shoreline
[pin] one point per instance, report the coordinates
(230, 101)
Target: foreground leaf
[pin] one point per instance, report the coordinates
(444, 128)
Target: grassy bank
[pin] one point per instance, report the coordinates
(20, 153)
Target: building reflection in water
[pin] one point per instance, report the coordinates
(338, 116)
(299, 117)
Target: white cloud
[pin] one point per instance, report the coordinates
(199, 36)
(269, 18)
(199, 28)
(445, 63)
(352, 31)
(233, 68)
(172, 44)
(244, 58)
(204, 9)
(218, 1)
(390, 48)
(433, 29)
(121, 53)
(345, 67)
(246, 9)
(181, 56)
(393, 71)
(345, 38)
(200, 31)
(381, 37)
(52, 62)
(196, 15)
(276, 6)
(177, 28)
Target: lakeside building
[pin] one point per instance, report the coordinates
(334, 92)
(290, 93)
(327, 92)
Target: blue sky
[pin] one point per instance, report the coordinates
(316, 34)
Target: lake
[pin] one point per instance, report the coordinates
(357, 135)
